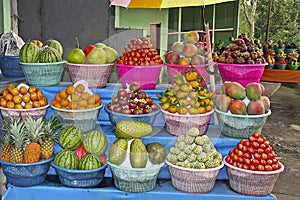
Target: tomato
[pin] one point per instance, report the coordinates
(269, 162)
(234, 163)
(240, 160)
(260, 168)
(270, 155)
(262, 145)
(235, 150)
(127, 111)
(264, 156)
(247, 144)
(244, 149)
(260, 140)
(228, 159)
(256, 135)
(260, 151)
(235, 157)
(252, 167)
(255, 145)
(263, 162)
(240, 153)
(252, 138)
(246, 167)
(251, 150)
(247, 161)
(275, 167)
(268, 168)
(255, 162)
(268, 150)
(88, 49)
(247, 155)
(267, 143)
(257, 156)
(275, 160)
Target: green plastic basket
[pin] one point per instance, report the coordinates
(43, 74)
(86, 119)
(135, 179)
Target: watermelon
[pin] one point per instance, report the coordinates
(29, 53)
(89, 161)
(66, 159)
(70, 137)
(54, 44)
(49, 55)
(95, 142)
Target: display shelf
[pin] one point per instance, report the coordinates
(52, 189)
(283, 76)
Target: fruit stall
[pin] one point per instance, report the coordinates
(136, 139)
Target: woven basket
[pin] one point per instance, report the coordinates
(252, 183)
(135, 179)
(35, 113)
(180, 124)
(96, 75)
(193, 180)
(84, 119)
(241, 126)
(10, 66)
(43, 74)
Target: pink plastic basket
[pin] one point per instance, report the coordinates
(241, 73)
(146, 76)
(180, 124)
(96, 75)
(193, 180)
(252, 183)
(200, 69)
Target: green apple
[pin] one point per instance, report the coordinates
(111, 54)
(97, 56)
(100, 45)
(76, 56)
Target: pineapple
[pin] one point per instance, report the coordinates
(6, 147)
(35, 128)
(18, 140)
(50, 136)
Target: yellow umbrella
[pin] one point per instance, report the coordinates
(164, 3)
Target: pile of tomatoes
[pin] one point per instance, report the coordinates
(139, 52)
(22, 97)
(255, 154)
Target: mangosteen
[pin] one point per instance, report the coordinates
(239, 60)
(250, 61)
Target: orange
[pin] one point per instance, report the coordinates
(3, 102)
(85, 95)
(70, 89)
(208, 108)
(64, 102)
(28, 106)
(57, 97)
(9, 97)
(5, 92)
(10, 104)
(10, 86)
(97, 98)
(36, 104)
(43, 102)
(63, 94)
(33, 96)
(23, 90)
(31, 89)
(80, 88)
(56, 104)
(18, 106)
(26, 98)
(201, 110)
(17, 99)
(39, 94)
(14, 91)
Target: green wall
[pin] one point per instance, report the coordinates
(4, 15)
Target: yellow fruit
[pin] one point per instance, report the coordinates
(80, 88)
(14, 91)
(63, 94)
(10, 104)
(17, 99)
(26, 98)
(70, 89)
(23, 90)
(85, 95)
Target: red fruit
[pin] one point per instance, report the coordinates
(237, 107)
(172, 57)
(103, 158)
(189, 50)
(80, 152)
(88, 49)
(255, 107)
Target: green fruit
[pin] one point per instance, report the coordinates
(111, 54)
(132, 129)
(89, 161)
(156, 152)
(67, 159)
(95, 142)
(54, 44)
(76, 56)
(70, 137)
(49, 55)
(117, 151)
(97, 56)
(138, 154)
(234, 90)
(100, 45)
(29, 53)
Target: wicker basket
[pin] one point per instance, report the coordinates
(135, 179)
(10, 66)
(180, 124)
(193, 180)
(43, 74)
(241, 126)
(252, 183)
(35, 113)
(96, 75)
(84, 119)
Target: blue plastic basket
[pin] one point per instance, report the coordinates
(10, 66)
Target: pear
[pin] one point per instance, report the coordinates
(111, 54)
(100, 45)
(76, 55)
(97, 56)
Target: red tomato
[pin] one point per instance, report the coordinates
(260, 140)
(252, 167)
(257, 156)
(247, 155)
(269, 162)
(255, 162)
(260, 151)
(88, 49)
(244, 149)
(246, 167)
(256, 135)
(260, 168)
(247, 144)
(268, 168)
(247, 161)
(240, 160)
(275, 167)
(270, 155)
(251, 150)
(255, 145)
(275, 160)
(264, 156)
(228, 159)
(240, 153)
(263, 162)
(252, 139)
(268, 150)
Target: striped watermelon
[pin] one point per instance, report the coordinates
(49, 55)
(66, 159)
(95, 142)
(29, 53)
(54, 44)
(89, 161)
(70, 137)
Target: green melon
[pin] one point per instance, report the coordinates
(89, 161)
(66, 159)
(29, 53)
(70, 137)
(95, 142)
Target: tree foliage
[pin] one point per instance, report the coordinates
(284, 20)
